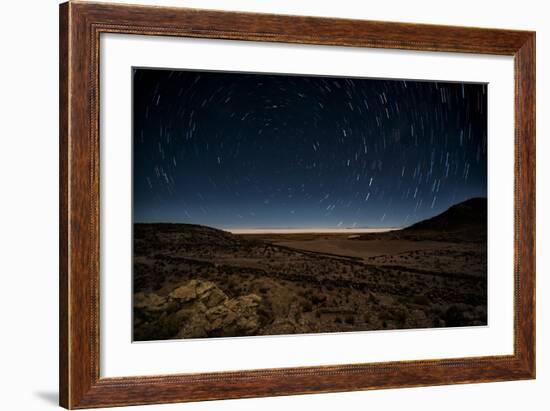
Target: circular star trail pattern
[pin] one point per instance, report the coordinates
(239, 150)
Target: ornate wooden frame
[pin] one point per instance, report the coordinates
(80, 27)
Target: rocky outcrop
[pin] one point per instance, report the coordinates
(196, 309)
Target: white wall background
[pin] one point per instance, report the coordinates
(29, 191)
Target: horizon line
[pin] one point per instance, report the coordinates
(315, 230)
(291, 230)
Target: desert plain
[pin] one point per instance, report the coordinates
(193, 281)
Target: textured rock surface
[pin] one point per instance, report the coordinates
(196, 309)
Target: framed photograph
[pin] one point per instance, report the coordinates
(259, 205)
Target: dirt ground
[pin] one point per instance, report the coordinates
(195, 282)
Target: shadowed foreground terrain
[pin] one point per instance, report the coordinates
(193, 281)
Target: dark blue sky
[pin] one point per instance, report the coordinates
(236, 150)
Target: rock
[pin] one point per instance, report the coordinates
(150, 302)
(238, 316)
(282, 326)
(219, 318)
(191, 322)
(418, 318)
(198, 309)
(245, 305)
(185, 292)
(205, 291)
(213, 297)
(246, 308)
(202, 287)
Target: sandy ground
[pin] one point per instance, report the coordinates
(361, 249)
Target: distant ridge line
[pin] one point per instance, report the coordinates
(310, 230)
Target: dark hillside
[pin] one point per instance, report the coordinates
(465, 221)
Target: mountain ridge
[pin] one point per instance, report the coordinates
(464, 221)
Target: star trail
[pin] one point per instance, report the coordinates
(239, 150)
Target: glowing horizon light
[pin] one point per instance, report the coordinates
(309, 230)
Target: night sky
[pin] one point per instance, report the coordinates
(239, 150)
